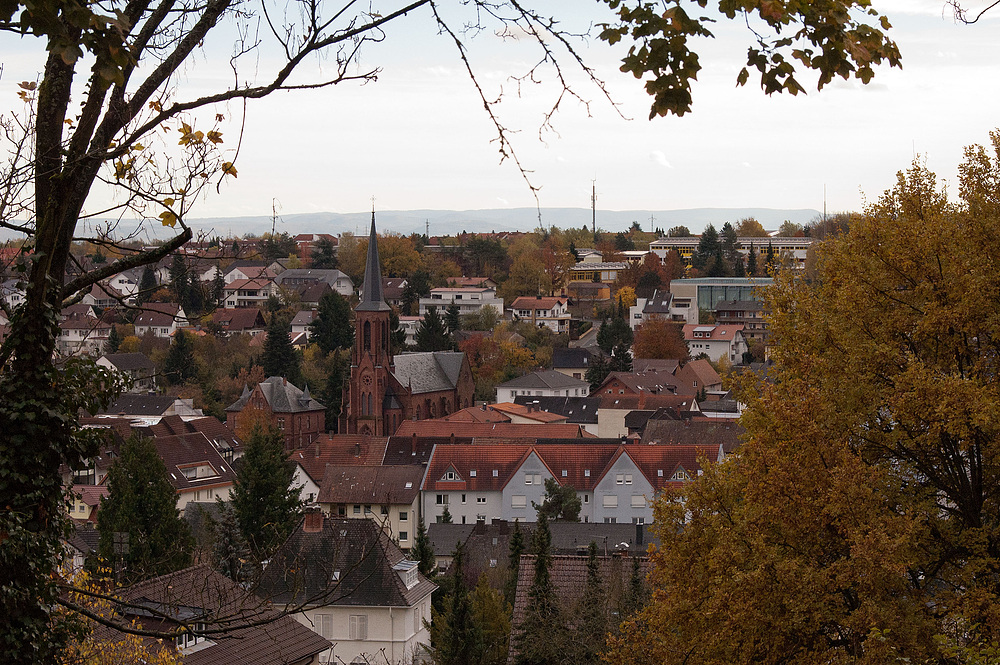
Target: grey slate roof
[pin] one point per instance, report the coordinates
(343, 562)
(129, 361)
(659, 303)
(428, 372)
(371, 288)
(544, 379)
(141, 405)
(283, 397)
(578, 410)
(571, 358)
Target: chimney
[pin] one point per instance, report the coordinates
(639, 534)
(357, 449)
(313, 522)
(317, 448)
(413, 444)
(451, 439)
(284, 380)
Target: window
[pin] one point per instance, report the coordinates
(518, 501)
(281, 422)
(610, 500)
(638, 501)
(480, 499)
(463, 498)
(342, 510)
(368, 510)
(450, 475)
(403, 535)
(564, 473)
(538, 479)
(527, 478)
(586, 473)
(472, 473)
(359, 627)
(324, 625)
(496, 473)
(357, 510)
(611, 520)
(384, 510)
(628, 478)
(441, 499)
(659, 473)
(620, 479)
(638, 520)
(403, 516)
(586, 498)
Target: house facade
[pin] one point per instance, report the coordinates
(543, 383)
(277, 402)
(468, 299)
(553, 313)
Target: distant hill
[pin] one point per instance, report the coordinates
(452, 222)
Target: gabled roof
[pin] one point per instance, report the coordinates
(215, 430)
(239, 319)
(383, 485)
(189, 450)
(545, 379)
(281, 396)
(664, 365)
(708, 432)
(725, 332)
(571, 358)
(645, 382)
(158, 314)
(340, 562)
(423, 428)
(266, 638)
(578, 410)
(304, 317)
(697, 370)
(428, 372)
(476, 414)
(339, 450)
(677, 403)
(258, 283)
(141, 405)
(474, 466)
(129, 361)
(659, 303)
(542, 302)
(529, 413)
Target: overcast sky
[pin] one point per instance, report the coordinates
(419, 139)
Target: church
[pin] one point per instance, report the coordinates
(384, 389)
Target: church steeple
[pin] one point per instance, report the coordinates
(371, 289)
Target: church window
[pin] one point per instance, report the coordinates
(368, 336)
(370, 409)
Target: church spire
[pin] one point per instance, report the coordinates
(371, 289)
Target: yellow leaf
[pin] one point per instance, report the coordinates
(168, 202)
(168, 218)
(229, 169)
(156, 106)
(215, 137)
(138, 147)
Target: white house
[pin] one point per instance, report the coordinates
(543, 311)
(543, 383)
(716, 341)
(469, 300)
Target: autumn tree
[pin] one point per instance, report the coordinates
(659, 338)
(142, 533)
(748, 227)
(859, 521)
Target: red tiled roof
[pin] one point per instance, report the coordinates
(476, 414)
(504, 430)
(723, 332)
(339, 450)
(527, 302)
(466, 459)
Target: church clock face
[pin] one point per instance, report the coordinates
(367, 380)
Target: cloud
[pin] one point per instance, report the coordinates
(661, 159)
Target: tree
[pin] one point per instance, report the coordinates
(446, 516)
(560, 504)
(748, 227)
(332, 329)
(614, 331)
(230, 552)
(538, 641)
(491, 617)
(597, 372)
(679, 232)
(147, 285)
(752, 269)
(731, 250)
(790, 230)
(114, 340)
(324, 255)
(452, 319)
(709, 253)
(859, 520)
(660, 338)
(218, 296)
(266, 503)
(141, 531)
(279, 357)
(417, 285)
(180, 365)
(849, 44)
(593, 619)
(431, 335)
(422, 552)
(515, 550)
(339, 364)
(453, 634)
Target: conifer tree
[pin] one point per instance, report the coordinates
(592, 616)
(452, 319)
(218, 289)
(279, 357)
(422, 552)
(338, 364)
(266, 504)
(446, 516)
(431, 335)
(540, 640)
(770, 260)
(229, 547)
(324, 255)
(332, 328)
(453, 633)
(752, 262)
(147, 285)
(114, 340)
(180, 364)
(141, 531)
(516, 549)
(179, 280)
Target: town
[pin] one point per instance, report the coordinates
(415, 421)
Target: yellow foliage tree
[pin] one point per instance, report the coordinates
(859, 521)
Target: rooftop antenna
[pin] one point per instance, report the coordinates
(651, 218)
(427, 229)
(274, 215)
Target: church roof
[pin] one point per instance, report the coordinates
(371, 289)
(282, 397)
(428, 372)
